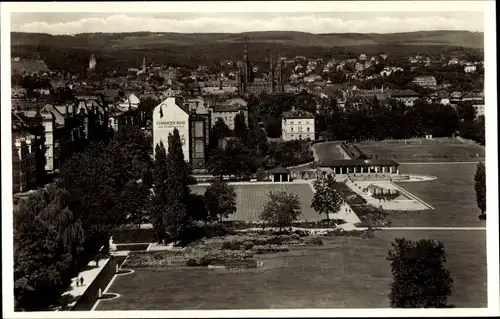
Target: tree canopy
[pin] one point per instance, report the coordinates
(281, 209)
(419, 277)
(480, 187)
(326, 200)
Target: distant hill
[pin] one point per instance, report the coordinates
(121, 50)
(111, 41)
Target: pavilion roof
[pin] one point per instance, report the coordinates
(279, 170)
(357, 162)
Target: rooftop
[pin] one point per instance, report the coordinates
(297, 114)
(404, 93)
(29, 66)
(364, 163)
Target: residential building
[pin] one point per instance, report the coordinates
(131, 102)
(470, 68)
(167, 116)
(408, 97)
(425, 81)
(24, 156)
(297, 125)
(479, 109)
(227, 110)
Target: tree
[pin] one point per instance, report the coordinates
(220, 200)
(94, 179)
(159, 201)
(419, 278)
(240, 127)
(326, 199)
(219, 131)
(132, 202)
(176, 216)
(480, 188)
(196, 208)
(42, 261)
(281, 209)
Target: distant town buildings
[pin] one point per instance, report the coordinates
(425, 81)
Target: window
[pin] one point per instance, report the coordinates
(300, 137)
(291, 122)
(291, 129)
(300, 122)
(308, 129)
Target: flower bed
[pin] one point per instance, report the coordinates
(370, 216)
(369, 233)
(351, 197)
(241, 225)
(265, 249)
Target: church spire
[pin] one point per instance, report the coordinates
(271, 72)
(245, 50)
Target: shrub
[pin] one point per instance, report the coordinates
(196, 232)
(247, 245)
(315, 241)
(263, 249)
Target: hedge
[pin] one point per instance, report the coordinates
(132, 235)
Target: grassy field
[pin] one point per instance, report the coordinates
(250, 199)
(451, 194)
(343, 273)
(441, 150)
(327, 151)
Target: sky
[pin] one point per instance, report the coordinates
(227, 22)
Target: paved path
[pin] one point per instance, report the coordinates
(89, 274)
(437, 163)
(430, 228)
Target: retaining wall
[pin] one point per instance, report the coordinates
(90, 296)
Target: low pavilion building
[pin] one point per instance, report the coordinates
(280, 174)
(360, 166)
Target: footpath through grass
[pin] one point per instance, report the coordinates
(345, 272)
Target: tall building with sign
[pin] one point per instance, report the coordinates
(168, 116)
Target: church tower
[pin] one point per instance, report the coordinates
(144, 65)
(280, 85)
(271, 74)
(92, 62)
(247, 67)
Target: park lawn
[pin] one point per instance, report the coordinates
(452, 195)
(345, 272)
(250, 199)
(427, 152)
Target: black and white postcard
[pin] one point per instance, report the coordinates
(249, 159)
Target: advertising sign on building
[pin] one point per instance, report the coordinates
(168, 116)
